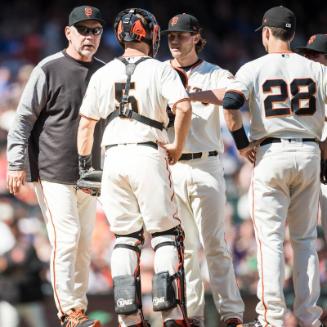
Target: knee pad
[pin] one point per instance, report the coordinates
(127, 294)
(163, 292)
(127, 288)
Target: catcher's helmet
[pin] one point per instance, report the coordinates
(136, 24)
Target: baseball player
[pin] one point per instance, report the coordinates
(199, 179)
(132, 93)
(316, 49)
(43, 140)
(286, 94)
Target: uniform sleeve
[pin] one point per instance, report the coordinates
(172, 87)
(223, 78)
(90, 104)
(31, 103)
(242, 83)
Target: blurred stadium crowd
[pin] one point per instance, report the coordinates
(32, 30)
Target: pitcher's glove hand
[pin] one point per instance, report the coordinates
(90, 182)
(323, 171)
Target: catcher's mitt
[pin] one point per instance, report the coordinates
(90, 182)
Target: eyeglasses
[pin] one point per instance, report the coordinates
(84, 30)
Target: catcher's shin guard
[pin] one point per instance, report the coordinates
(127, 288)
(164, 295)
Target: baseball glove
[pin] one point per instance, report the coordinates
(90, 182)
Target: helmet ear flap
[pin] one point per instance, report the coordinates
(119, 31)
(155, 34)
(155, 39)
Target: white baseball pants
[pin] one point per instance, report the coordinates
(285, 190)
(70, 217)
(323, 207)
(200, 188)
(137, 193)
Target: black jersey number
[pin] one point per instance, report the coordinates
(119, 91)
(303, 101)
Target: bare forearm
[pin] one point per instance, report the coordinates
(233, 119)
(85, 136)
(182, 123)
(210, 96)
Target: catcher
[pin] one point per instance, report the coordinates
(131, 92)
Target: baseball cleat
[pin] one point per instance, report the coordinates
(196, 322)
(234, 322)
(175, 323)
(78, 318)
(255, 323)
(140, 324)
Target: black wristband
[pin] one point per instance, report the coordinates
(85, 162)
(240, 138)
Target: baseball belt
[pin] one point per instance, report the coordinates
(197, 155)
(150, 144)
(270, 140)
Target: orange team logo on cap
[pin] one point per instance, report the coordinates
(312, 39)
(174, 20)
(88, 11)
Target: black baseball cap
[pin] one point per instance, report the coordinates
(279, 16)
(183, 23)
(316, 43)
(82, 13)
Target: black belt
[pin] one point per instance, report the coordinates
(151, 144)
(270, 140)
(190, 156)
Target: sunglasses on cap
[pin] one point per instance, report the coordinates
(84, 30)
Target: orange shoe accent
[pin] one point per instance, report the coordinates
(78, 318)
(233, 322)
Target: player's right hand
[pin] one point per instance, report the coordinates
(173, 152)
(15, 179)
(249, 152)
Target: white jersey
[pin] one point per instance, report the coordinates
(204, 134)
(154, 85)
(287, 95)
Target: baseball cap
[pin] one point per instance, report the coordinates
(316, 43)
(82, 13)
(183, 23)
(279, 16)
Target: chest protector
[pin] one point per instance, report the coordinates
(124, 110)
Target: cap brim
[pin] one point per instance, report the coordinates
(309, 49)
(101, 21)
(259, 28)
(302, 49)
(178, 30)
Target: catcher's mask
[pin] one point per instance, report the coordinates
(136, 24)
